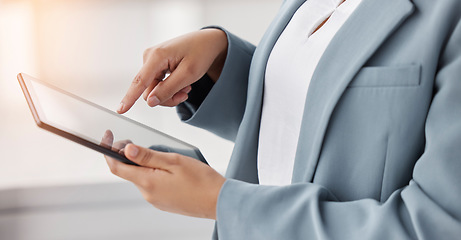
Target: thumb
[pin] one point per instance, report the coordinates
(149, 158)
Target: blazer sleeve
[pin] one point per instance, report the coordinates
(219, 107)
(427, 208)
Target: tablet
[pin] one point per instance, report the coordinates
(87, 123)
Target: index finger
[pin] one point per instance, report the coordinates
(149, 74)
(137, 87)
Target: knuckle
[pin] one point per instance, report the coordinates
(191, 69)
(139, 81)
(146, 53)
(158, 51)
(145, 159)
(175, 159)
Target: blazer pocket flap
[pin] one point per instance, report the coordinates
(399, 76)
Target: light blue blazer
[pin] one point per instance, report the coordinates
(379, 154)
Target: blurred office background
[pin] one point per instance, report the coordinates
(51, 188)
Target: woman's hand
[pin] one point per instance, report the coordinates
(171, 182)
(186, 59)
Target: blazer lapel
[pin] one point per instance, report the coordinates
(361, 35)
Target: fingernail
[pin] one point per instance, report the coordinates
(153, 101)
(133, 151)
(120, 107)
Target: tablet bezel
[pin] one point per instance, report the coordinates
(40, 120)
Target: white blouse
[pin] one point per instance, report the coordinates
(290, 67)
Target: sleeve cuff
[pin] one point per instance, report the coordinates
(219, 108)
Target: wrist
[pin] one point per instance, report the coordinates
(214, 199)
(220, 43)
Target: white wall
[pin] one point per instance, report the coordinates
(94, 48)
